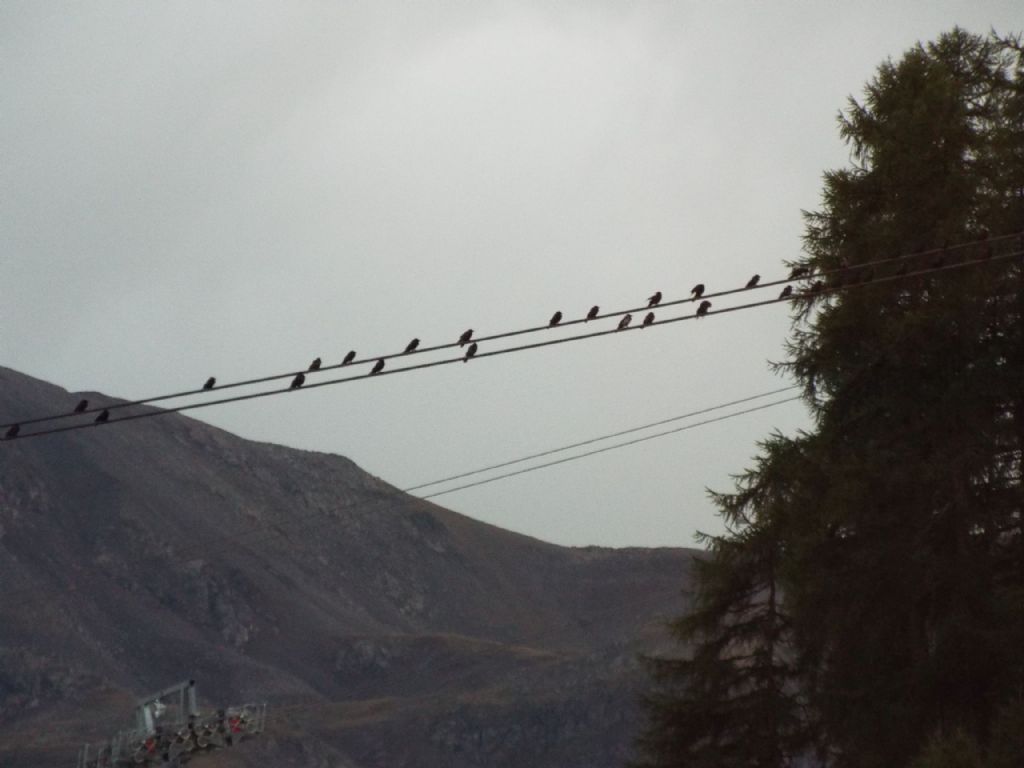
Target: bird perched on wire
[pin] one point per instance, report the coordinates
(210, 383)
(697, 291)
(377, 367)
(648, 319)
(411, 346)
(592, 313)
(13, 431)
(753, 281)
(82, 405)
(625, 321)
(298, 381)
(349, 357)
(315, 365)
(555, 319)
(465, 337)
(655, 300)
(103, 417)
(798, 272)
(470, 351)
(786, 292)
(703, 308)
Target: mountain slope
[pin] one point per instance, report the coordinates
(137, 555)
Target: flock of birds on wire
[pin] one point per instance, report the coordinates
(466, 338)
(797, 273)
(556, 319)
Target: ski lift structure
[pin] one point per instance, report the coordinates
(170, 731)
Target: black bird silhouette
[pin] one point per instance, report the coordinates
(786, 292)
(703, 308)
(315, 365)
(209, 383)
(816, 287)
(411, 346)
(298, 381)
(377, 367)
(349, 357)
(655, 300)
(625, 321)
(82, 405)
(753, 281)
(103, 417)
(470, 351)
(555, 320)
(465, 337)
(697, 291)
(13, 431)
(592, 313)
(648, 319)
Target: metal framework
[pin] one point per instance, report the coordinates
(170, 730)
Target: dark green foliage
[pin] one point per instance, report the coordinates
(912, 616)
(733, 700)
(956, 751)
(1007, 745)
(730, 703)
(895, 526)
(961, 750)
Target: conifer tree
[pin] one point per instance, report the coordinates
(731, 700)
(896, 523)
(906, 601)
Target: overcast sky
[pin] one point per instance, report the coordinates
(232, 189)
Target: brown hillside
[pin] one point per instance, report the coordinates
(382, 629)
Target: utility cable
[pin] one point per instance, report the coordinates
(987, 242)
(822, 291)
(614, 447)
(307, 523)
(598, 439)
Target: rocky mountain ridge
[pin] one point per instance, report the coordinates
(382, 629)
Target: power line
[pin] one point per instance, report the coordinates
(507, 334)
(614, 447)
(987, 242)
(598, 439)
(299, 522)
(821, 291)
